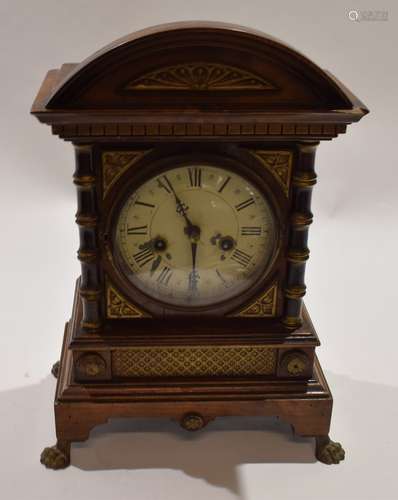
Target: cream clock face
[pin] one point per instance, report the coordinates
(195, 235)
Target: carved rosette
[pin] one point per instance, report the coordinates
(279, 163)
(200, 76)
(118, 307)
(115, 163)
(263, 307)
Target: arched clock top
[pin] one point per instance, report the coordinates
(199, 66)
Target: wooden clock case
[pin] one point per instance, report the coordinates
(164, 96)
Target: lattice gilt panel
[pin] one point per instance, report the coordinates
(195, 361)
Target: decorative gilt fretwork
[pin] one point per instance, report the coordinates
(263, 307)
(193, 361)
(115, 163)
(119, 307)
(200, 76)
(279, 163)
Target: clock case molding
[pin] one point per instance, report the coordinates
(210, 90)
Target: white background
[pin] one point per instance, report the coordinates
(351, 275)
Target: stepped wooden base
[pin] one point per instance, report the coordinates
(193, 402)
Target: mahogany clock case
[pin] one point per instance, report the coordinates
(171, 95)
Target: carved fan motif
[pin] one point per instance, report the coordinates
(200, 76)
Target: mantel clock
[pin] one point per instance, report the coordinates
(195, 146)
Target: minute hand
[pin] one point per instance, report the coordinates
(193, 275)
(181, 209)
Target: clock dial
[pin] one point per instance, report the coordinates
(195, 235)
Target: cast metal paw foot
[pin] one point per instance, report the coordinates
(55, 369)
(54, 458)
(329, 452)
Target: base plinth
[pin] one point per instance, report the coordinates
(305, 403)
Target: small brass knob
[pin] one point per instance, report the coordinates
(92, 368)
(296, 366)
(192, 422)
(294, 363)
(90, 365)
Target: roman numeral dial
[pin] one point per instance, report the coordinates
(195, 177)
(241, 257)
(164, 276)
(244, 204)
(143, 257)
(224, 184)
(250, 231)
(195, 235)
(139, 230)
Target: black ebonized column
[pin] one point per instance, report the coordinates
(304, 178)
(87, 219)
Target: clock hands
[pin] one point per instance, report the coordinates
(155, 264)
(191, 230)
(157, 245)
(181, 208)
(193, 275)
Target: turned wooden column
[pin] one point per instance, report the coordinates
(87, 220)
(304, 178)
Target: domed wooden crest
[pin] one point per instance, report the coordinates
(196, 68)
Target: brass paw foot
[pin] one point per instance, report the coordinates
(328, 452)
(55, 369)
(55, 458)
